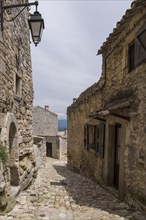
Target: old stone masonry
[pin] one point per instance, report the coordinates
(60, 194)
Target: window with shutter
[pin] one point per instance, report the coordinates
(140, 46)
(100, 131)
(86, 137)
(89, 137)
(92, 137)
(131, 56)
(137, 49)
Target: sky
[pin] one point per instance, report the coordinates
(65, 62)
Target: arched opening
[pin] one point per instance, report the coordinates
(13, 153)
(9, 136)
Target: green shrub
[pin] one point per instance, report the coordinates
(3, 154)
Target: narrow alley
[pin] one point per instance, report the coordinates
(60, 194)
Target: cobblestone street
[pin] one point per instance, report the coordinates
(60, 194)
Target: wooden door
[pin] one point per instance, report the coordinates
(117, 155)
(49, 149)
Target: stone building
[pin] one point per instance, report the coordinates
(45, 125)
(107, 123)
(16, 97)
(63, 144)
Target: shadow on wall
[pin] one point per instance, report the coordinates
(85, 192)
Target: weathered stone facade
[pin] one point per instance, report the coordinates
(40, 151)
(63, 144)
(16, 97)
(107, 123)
(45, 124)
(63, 147)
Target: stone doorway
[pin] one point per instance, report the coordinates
(117, 155)
(49, 149)
(13, 152)
(114, 154)
(9, 136)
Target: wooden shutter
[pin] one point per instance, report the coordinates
(140, 46)
(86, 137)
(131, 56)
(100, 140)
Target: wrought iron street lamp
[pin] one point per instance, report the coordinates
(35, 21)
(36, 25)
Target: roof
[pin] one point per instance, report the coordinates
(45, 123)
(43, 109)
(120, 24)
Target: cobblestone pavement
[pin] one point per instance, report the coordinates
(60, 194)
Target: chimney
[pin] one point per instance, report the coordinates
(74, 100)
(47, 107)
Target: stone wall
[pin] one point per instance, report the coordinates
(55, 146)
(45, 123)
(40, 151)
(122, 94)
(63, 148)
(16, 99)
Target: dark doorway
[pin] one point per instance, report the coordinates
(13, 152)
(49, 149)
(117, 155)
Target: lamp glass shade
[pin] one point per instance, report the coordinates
(36, 25)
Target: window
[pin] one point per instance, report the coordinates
(131, 56)
(100, 132)
(17, 85)
(140, 46)
(89, 136)
(137, 49)
(94, 138)
(86, 137)
(92, 133)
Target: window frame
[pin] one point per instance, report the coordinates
(139, 54)
(94, 139)
(17, 85)
(100, 140)
(131, 56)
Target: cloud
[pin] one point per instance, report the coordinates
(65, 62)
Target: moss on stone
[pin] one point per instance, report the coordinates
(3, 154)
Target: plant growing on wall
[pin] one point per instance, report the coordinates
(3, 154)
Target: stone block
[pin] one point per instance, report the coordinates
(2, 66)
(2, 182)
(22, 164)
(3, 202)
(24, 175)
(2, 186)
(26, 181)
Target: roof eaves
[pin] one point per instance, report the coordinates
(119, 26)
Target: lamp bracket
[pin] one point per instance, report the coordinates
(5, 7)
(20, 5)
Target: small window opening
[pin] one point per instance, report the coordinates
(18, 85)
(131, 56)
